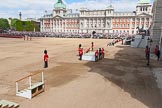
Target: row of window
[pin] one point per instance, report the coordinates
(123, 14)
(122, 31)
(102, 20)
(122, 19)
(99, 25)
(95, 26)
(68, 20)
(93, 13)
(142, 19)
(68, 25)
(127, 25)
(122, 25)
(95, 20)
(143, 8)
(62, 30)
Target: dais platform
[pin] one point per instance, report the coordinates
(90, 56)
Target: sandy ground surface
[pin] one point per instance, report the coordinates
(121, 80)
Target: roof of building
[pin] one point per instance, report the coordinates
(59, 4)
(143, 1)
(110, 6)
(73, 14)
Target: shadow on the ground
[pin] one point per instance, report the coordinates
(128, 70)
(60, 75)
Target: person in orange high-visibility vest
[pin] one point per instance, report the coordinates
(96, 55)
(80, 53)
(103, 53)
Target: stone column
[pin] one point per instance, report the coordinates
(42, 25)
(145, 22)
(140, 25)
(156, 24)
(59, 25)
(53, 25)
(130, 26)
(56, 25)
(49, 29)
(160, 46)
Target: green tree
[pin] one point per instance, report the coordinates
(13, 23)
(24, 25)
(4, 24)
(19, 25)
(29, 26)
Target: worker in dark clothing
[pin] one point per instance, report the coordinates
(147, 51)
(96, 55)
(92, 45)
(103, 52)
(100, 54)
(122, 41)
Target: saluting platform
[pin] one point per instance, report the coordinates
(90, 56)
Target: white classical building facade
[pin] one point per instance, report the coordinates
(100, 21)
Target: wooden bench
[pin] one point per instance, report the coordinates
(33, 89)
(8, 104)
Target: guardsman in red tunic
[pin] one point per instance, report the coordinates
(80, 45)
(80, 53)
(87, 50)
(92, 45)
(45, 59)
(157, 52)
(103, 53)
(96, 55)
(79, 50)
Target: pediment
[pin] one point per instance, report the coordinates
(57, 17)
(143, 14)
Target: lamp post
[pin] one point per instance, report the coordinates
(20, 15)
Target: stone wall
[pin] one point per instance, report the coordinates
(156, 24)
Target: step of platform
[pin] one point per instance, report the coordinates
(89, 56)
(8, 104)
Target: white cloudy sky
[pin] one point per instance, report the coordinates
(36, 8)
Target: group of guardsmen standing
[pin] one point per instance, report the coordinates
(99, 53)
(156, 52)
